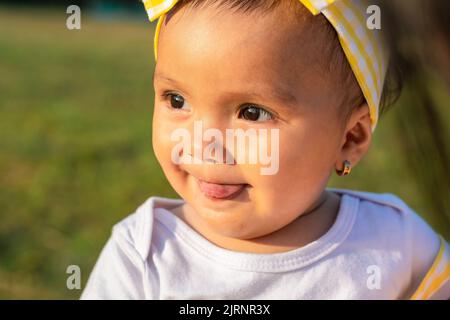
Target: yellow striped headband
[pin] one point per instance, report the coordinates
(362, 46)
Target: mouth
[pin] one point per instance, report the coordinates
(220, 191)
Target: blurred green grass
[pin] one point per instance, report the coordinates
(76, 154)
(76, 151)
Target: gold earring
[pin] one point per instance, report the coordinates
(346, 170)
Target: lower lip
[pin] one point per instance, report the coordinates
(216, 191)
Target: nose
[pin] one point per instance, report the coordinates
(208, 143)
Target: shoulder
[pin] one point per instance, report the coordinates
(436, 282)
(385, 221)
(390, 213)
(383, 201)
(136, 230)
(120, 270)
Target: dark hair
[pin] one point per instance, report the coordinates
(238, 5)
(393, 85)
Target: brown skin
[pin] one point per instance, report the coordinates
(217, 66)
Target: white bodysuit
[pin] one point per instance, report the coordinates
(378, 248)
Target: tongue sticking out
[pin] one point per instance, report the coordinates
(220, 191)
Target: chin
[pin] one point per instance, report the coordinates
(234, 224)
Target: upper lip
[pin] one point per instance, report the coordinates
(228, 177)
(219, 182)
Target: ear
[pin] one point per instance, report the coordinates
(357, 137)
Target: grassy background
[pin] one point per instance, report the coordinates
(75, 147)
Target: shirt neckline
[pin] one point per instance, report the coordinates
(256, 262)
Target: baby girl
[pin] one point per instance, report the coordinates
(309, 74)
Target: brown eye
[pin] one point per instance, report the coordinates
(253, 113)
(176, 101)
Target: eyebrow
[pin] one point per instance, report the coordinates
(163, 77)
(274, 94)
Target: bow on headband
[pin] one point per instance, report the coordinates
(363, 47)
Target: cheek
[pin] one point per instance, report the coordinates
(305, 164)
(300, 158)
(163, 145)
(159, 136)
(307, 159)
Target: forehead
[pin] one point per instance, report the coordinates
(237, 50)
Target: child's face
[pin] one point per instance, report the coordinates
(220, 63)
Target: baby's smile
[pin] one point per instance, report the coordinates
(217, 192)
